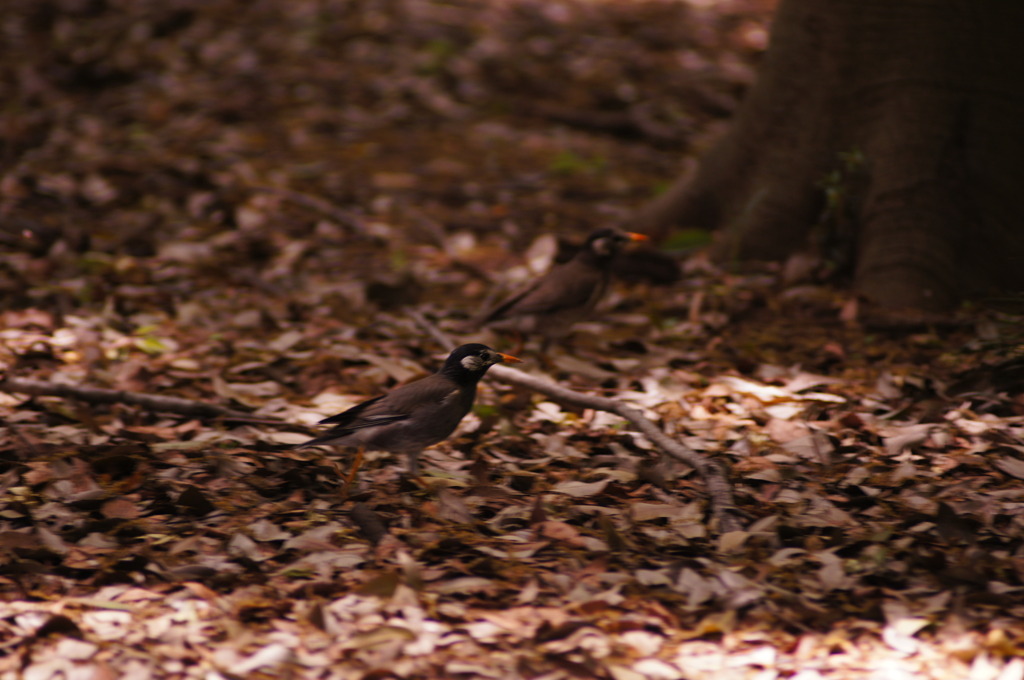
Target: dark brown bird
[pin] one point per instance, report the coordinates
(567, 293)
(416, 415)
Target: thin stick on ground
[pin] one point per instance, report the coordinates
(150, 402)
(723, 507)
(316, 204)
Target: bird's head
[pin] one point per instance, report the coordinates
(475, 358)
(606, 242)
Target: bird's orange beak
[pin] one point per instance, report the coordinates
(633, 236)
(509, 359)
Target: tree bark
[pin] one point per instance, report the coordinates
(929, 93)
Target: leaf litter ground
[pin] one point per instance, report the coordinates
(237, 202)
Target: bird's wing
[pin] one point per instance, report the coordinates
(351, 416)
(502, 308)
(370, 413)
(394, 406)
(427, 393)
(565, 287)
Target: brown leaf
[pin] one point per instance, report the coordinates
(18, 539)
(194, 501)
(560, 531)
(451, 507)
(1011, 466)
(120, 508)
(60, 625)
(578, 489)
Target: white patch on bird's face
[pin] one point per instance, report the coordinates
(473, 363)
(602, 246)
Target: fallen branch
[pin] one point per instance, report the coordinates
(723, 507)
(316, 204)
(151, 402)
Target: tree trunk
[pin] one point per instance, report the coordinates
(930, 93)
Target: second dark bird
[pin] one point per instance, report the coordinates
(566, 294)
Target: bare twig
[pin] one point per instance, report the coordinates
(723, 507)
(316, 204)
(719, 490)
(152, 402)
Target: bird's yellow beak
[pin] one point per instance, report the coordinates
(633, 236)
(509, 359)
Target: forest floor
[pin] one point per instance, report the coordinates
(240, 203)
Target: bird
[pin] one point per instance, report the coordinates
(415, 415)
(567, 293)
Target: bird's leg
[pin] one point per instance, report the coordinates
(414, 469)
(357, 463)
(546, 361)
(520, 338)
(545, 345)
